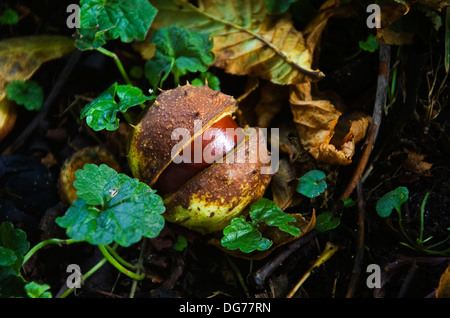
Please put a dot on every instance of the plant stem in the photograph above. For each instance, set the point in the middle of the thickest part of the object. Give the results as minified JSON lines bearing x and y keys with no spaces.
{"x":45,"y":243}
{"x":422,"y":212}
{"x":113,"y":252}
{"x":118,"y":63}
{"x":117,"y":265}
{"x":68,"y":291}
{"x":139,"y":266}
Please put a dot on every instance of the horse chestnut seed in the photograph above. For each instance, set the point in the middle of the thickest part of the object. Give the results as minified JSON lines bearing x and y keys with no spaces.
{"x":207,"y":169}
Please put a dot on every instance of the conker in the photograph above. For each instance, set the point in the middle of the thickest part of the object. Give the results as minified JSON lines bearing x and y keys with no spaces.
{"x":203,"y":195}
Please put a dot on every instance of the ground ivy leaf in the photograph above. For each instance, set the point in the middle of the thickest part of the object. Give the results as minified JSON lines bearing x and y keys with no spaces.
{"x":265,"y":210}
{"x":103,"y":20}
{"x":101,"y":112}
{"x":392,"y":200}
{"x":35,"y":290}
{"x":13,"y":246}
{"x":243,"y":235}
{"x":326,"y":221}
{"x":178,"y":51}
{"x":312,"y":183}
{"x":26,"y":93}
{"x":116,"y":208}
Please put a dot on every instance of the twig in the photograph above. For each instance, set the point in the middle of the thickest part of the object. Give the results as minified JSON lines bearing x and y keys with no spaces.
{"x":412,"y":271}
{"x":380,"y":99}
{"x":261,"y":274}
{"x":359,"y":254}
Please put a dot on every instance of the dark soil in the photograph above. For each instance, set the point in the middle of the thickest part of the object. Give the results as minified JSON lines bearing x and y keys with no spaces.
{"x":202,"y":270}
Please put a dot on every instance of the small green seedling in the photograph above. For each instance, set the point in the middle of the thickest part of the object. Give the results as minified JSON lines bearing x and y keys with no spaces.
{"x":26,"y":93}
{"x":9,"y":16}
{"x":245,"y":236}
{"x":13,"y":249}
{"x":101,"y":112}
{"x":370,"y":44}
{"x":180,"y":244}
{"x":326,"y":221}
{"x":177,"y":52}
{"x":312,"y":184}
{"x":394,"y":200}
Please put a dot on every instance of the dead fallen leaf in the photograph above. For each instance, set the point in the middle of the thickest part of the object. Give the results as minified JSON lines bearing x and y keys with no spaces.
{"x":8,"y":116}
{"x":247,"y":39}
{"x":443,"y":290}
{"x":270,"y":103}
{"x":21,"y":57}
{"x":415,"y":163}
{"x":283,"y":186}
{"x":326,"y":135}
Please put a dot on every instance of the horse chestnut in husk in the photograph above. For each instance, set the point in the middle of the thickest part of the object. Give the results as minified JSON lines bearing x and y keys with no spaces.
{"x":206,"y":194}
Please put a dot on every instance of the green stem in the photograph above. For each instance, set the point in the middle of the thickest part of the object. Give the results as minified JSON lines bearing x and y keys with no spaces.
{"x":118,"y":63}
{"x":238,"y":275}
{"x":45,"y":243}
{"x":68,"y":291}
{"x":139,"y":266}
{"x":422,"y":212}
{"x":117,"y":265}
{"x":112,"y":251}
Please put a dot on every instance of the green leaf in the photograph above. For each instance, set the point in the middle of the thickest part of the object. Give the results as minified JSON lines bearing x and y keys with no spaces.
{"x":326,"y":221}
{"x":26,"y":93}
{"x":35,"y":290}
{"x":279,"y":6}
{"x":348,"y":202}
{"x":112,"y":207}
{"x":178,"y":51}
{"x":180,"y":244}
{"x":101,"y":112}
{"x":392,"y":200}
{"x":312,"y":183}
{"x":370,"y":44}
{"x":13,"y":246}
{"x":212,"y":80}
{"x":244,"y":236}
{"x":103,"y":20}
{"x":265,"y":210}
{"x":9,"y":16}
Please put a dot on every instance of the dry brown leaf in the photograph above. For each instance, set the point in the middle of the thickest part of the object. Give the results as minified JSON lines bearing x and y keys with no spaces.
{"x":248,"y":40}
{"x":391,"y":37}
{"x":443,"y":290}
{"x":284,"y":184}
{"x":318,"y":128}
{"x":272,"y":98}
{"x":415,"y":163}
{"x":21,"y":57}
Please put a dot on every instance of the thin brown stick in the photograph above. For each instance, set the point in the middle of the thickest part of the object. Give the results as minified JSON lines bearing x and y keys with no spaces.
{"x":359,"y":254}
{"x":381,"y":93}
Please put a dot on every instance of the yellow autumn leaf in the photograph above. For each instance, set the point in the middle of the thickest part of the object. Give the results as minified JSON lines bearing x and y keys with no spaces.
{"x":21,"y":57}
{"x":248,"y":40}
{"x":443,"y":290}
{"x":8,"y":116}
